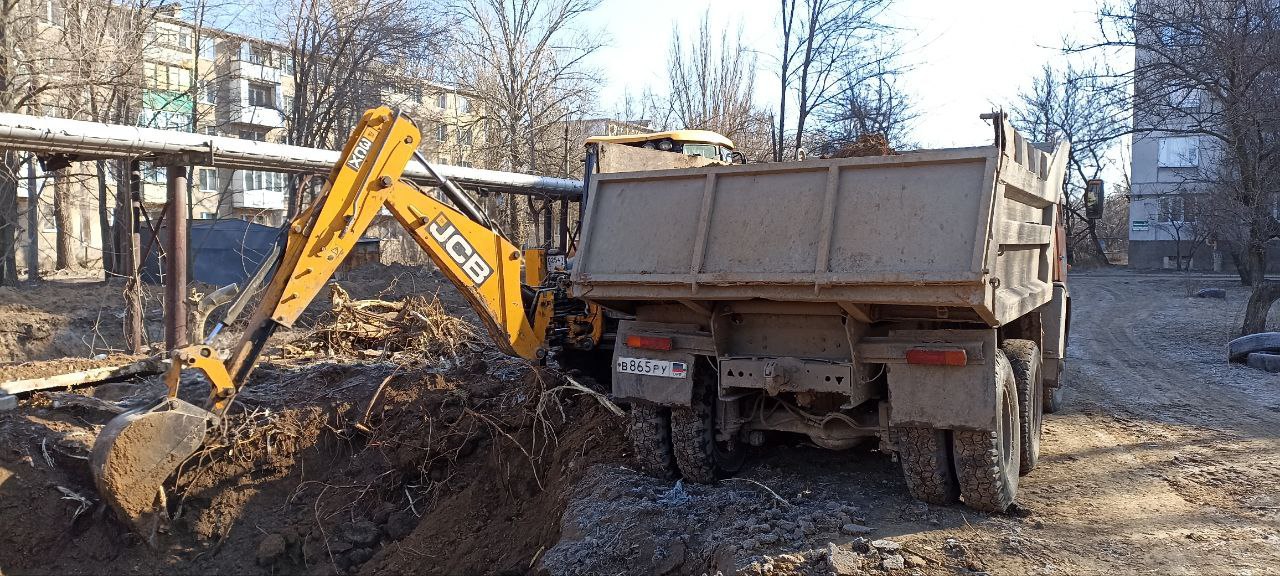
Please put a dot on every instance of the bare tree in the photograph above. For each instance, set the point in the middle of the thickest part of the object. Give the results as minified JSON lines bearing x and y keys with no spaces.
{"x":711,"y":86}
{"x":824,"y":44}
{"x":1073,"y":104}
{"x":1211,"y":69}
{"x":868,"y":103}
{"x":343,"y":53}
{"x":524,"y":61}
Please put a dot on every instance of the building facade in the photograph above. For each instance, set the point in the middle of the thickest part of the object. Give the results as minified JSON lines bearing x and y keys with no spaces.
{"x":197,"y":79}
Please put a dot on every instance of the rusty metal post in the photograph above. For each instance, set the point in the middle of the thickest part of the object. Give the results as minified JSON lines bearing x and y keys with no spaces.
{"x":175,"y":282}
{"x":130,"y":201}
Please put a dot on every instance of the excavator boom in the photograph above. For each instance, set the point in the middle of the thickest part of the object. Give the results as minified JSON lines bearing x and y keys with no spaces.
{"x":139,"y":450}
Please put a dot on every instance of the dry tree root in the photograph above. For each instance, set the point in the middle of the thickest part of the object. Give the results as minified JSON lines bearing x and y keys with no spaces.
{"x":378,"y":328}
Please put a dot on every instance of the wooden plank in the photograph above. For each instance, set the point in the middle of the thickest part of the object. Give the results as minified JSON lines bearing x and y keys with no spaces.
{"x":148,"y":366}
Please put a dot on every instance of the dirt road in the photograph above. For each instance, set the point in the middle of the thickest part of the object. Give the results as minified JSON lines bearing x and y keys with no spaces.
{"x":1164,"y":461}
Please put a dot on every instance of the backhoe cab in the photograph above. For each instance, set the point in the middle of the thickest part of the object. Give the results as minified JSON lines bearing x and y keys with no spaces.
{"x":139,"y":450}
{"x":704,"y":143}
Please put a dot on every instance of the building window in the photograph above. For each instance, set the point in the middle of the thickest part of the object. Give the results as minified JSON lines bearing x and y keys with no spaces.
{"x":208,"y":49}
{"x":255,"y":54}
{"x":208,"y":215}
{"x":1179,"y":152}
{"x":152,"y":173}
{"x":1177,"y":210}
{"x":208,"y":179}
{"x":255,"y":135}
{"x":165,"y":77}
{"x":261,"y":180}
{"x":442,"y":132}
{"x":184,"y":38}
{"x":210,"y":130}
{"x":442,"y":100}
{"x":464,"y":136}
{"x":262,"y":95}
{"x":462,"y":104}
{"x":208,"y":92}
{"x":1184,"y":98}
{"x":465,"y":163}
{"x":164,"y":119}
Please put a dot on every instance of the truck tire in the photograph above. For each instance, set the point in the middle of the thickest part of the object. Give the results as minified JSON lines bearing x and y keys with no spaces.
{"x":649,"y":431}
{"x":987,"y":460}
{"x":699,"y":457}
{"x":925,"y":454}
{"x":1024,"y":359}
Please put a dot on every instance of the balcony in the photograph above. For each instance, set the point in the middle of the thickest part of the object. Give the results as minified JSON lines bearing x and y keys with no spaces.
{"x":242,"y":68}
{"x":256,"y":116}
{"x":259,"y":199}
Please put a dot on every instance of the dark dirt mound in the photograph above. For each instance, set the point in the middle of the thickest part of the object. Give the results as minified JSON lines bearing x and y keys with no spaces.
{"x":459,"y":472}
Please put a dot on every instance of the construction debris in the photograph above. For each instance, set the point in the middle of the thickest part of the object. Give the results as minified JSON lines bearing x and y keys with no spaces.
{"x":153,"y":365}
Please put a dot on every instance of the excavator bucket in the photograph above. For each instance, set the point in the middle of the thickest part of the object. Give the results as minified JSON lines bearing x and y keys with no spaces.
{"x":137,"y":451}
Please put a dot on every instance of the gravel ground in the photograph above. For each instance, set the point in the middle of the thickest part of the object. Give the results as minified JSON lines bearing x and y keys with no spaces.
{"x":1164,"y":461}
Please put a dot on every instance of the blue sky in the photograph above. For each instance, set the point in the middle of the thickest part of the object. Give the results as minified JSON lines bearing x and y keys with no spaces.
{"x":967,"y":56}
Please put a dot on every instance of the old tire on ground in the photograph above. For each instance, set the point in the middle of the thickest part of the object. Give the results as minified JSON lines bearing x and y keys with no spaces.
{"x":649,"y":431}
{"x":925,"y":454}
{"x":1264,"y":361}
{"x":1024,"y":359}
{"x":987,"y":460}
{"x":1239,"y":349}
{"x":699,"y":457}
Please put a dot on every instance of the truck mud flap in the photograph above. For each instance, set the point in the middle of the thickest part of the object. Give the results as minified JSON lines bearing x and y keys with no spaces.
{"x":656,"y":362}
{"x":950,"y":397}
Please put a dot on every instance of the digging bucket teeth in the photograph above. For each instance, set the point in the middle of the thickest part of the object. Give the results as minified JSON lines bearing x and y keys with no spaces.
{"x":137,"y":451}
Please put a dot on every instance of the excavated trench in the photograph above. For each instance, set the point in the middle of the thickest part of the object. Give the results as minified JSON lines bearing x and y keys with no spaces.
{"x":459,"y":471}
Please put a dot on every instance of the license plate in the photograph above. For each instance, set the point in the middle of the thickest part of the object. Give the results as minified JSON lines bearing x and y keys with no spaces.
{"x":647,"y":367}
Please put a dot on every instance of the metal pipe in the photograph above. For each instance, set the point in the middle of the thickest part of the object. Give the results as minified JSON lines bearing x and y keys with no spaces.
{"x":175,"y":282}
{"x":91,"y":140}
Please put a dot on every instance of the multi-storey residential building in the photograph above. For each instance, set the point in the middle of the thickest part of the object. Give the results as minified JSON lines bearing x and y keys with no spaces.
{"x":197,"y":79}
{"x":1167,"y":187}
{"x":1174,"y":163}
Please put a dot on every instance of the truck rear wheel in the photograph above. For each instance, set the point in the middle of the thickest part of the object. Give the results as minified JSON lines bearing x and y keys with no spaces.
{"x":699,"y":456}
{"x":1024,"y":359}
{"x":649,"y":431}
{"x":987,"y":460}
{"x":926,"y":464}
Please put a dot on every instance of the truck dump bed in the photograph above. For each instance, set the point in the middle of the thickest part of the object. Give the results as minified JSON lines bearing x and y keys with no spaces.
{"x":963,"y":233}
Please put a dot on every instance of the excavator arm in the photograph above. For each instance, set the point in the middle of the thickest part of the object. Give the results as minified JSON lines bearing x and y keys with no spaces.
{"x":137,"y":451}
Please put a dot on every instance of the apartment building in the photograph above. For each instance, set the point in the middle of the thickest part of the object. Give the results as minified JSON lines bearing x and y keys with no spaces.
{"x":1166,"y":174}
{"x":1172,"y":166}
{"x":197,"y":79}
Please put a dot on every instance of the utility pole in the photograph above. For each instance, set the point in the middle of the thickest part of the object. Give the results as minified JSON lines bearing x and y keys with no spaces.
{"x":130,"y":201}
{"x":175,"y":285}
{"x":33,"y":222}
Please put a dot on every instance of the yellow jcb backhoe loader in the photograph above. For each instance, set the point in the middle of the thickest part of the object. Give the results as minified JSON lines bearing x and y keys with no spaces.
{"x":527,"y":317}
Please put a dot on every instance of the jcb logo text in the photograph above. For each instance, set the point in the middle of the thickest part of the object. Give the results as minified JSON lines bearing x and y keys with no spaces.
{"x":459,"y":250}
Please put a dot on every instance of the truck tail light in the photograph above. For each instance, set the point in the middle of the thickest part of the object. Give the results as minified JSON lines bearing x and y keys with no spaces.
{"x":649,"y":342}
{"x":937,"y":356}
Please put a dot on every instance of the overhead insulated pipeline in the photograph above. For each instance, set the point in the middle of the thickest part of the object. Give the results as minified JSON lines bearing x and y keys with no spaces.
{"x":78,"y":139}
